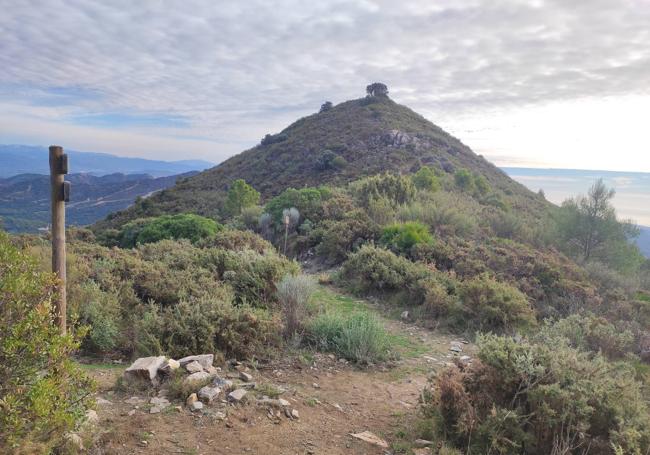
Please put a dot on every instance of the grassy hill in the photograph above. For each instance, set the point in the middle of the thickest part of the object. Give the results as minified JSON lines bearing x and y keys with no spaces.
{"x":356,"y":138}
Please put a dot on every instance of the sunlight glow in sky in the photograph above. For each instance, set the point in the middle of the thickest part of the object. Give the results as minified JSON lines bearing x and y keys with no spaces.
{"x":538,"y":83}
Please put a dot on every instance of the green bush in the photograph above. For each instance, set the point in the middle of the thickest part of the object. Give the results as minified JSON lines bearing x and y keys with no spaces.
{"x":396,"y":188}
{"x":207,"y":325}
{"x":377,"y":270}
{"x":100,"y":311}
{"x":308,"y":202}
{"x":464,"y":179}
{"x":42,"y":393}
{"x":181,"y":226}
{"x":358,"y":337}
{"x":538,"y":399}
{"x":591,"y":333}
{"x":234,"y":240}
{"x":426,"y":179}
{"x":240,"y":196}
{"x":402,"y":238}
{"x":338,"y":238}
{"x":490,"y":305}
{"x":251,"y":275}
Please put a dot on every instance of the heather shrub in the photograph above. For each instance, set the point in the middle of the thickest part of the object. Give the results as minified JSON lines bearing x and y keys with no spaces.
{"x":181,"y":226}
{"x":207,"y":325}
{"x":100,"y":311}
{"x":251,"y":275}
{"x":395,"y":188}
{"x":401,"y":238}
{"x":538,"y":398}
{"x":358,"y":337}
{"x":235,"y":240}
{"x":377,"y":270}
{"x":426,"y":179}
{"x":42,"y":392}
{"x":293,"y":295}
{"x":336,"y":239}
{"x":488,"y":304}
{"x":591,"y":333}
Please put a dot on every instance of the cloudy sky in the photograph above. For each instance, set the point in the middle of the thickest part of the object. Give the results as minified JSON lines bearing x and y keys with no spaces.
{"x":562,"y":83}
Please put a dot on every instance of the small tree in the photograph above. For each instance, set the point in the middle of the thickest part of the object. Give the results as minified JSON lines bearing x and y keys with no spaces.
{"x":588,"y":224}
{"x":426,"y":179}
{"x":377,"y":89}
{"x":240,"y":196}
{"x":326,"y":106}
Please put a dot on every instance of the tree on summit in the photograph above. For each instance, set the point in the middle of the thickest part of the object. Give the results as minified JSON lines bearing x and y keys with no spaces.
{"x":377,"y":89}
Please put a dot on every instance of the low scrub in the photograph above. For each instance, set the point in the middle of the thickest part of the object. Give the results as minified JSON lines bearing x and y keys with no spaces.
{"x":207,"y":325}
{"x":401,"y":238}
{"x":42,"y":392}
{"x":538,"y":399}
{"x":294,"y":293}
{"x":358,"y":337}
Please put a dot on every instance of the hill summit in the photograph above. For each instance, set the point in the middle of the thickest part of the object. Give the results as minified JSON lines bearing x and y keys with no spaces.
{"x":337,"y":145}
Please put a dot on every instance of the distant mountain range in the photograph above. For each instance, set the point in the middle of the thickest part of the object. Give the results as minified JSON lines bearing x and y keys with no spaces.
{"x":643,"y":241}
{"x":25,"y":198}
{"x":26,"y":159}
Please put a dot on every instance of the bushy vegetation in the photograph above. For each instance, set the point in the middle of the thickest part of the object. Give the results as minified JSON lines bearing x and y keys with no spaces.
{"x":42,"y":393}
{"x":150,"y":230}
{"x":538,"y":398}
{"x":402,"y":238}
{"x":358,"y":337}
{"x":293,"y":294}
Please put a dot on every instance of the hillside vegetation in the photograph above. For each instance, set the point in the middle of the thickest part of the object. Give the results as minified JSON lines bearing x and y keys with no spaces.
{"x":356,"y":138}
{"x":557,"y":298}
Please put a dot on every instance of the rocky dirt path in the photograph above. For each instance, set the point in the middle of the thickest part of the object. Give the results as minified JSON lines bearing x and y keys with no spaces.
{"x":333,"y":399}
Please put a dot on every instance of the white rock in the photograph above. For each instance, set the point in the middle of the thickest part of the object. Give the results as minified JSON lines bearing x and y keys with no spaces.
{"x":191,"y":399}
{"x":246,"y":377}
{"x":196,"y":378}
{"x":370,"y":438}
{"x":169,"y":366}
{"x":91,"y":417}
{"x":145,"y":368}
{"x":75,"y":440}
{"x":196,"y":406}
{"x":422,"y":443}
{"x":193,"y":367}
{"x":208,"y":394}
{"x":295,"y":414}
{"x":237,"y":395}
{"x":160,"y":402}
{"x":204,"y":359}
{"x":405,"y":315}
{"x":284,"y":403}
{"x":135,"y":400}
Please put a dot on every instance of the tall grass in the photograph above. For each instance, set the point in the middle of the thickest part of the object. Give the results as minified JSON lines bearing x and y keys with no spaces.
{"x":358,"y":337}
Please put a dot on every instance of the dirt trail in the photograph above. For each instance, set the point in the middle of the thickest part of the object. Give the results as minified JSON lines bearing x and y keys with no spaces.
{"x":334,"y":399}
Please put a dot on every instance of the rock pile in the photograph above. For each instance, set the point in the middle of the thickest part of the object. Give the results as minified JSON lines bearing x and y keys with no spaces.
{"x":205,"y":383}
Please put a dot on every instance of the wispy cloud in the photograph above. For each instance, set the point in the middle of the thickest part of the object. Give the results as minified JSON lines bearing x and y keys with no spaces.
{"x":227,"y":72}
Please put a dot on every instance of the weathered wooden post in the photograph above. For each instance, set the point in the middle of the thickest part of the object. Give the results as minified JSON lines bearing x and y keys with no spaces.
{"x":286,"y":232}
{"x":60,"y":195}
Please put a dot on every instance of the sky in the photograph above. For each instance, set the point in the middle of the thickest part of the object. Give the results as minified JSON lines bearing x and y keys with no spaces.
{"x":557,"y":83}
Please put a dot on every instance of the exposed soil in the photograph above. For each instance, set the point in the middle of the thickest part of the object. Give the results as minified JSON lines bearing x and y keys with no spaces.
{"x":333,"y":399}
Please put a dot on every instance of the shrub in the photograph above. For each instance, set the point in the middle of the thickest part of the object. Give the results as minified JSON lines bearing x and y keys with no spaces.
{"x":240,"y":196}
{"x":538,"y":399}
{"x":293,"y":294}
{"x":373,"y":269}
{"x":308,"y":202}
{"x":396,"y":188}
{"x":206,"y":325}
{"x":591,"y":333}
{"x":402,"y":238}
{"x":426,"y":179}
{"x":42,"y":392}
{"x":235,"y":240}
{"x":251,"y":275}
{"x":269,"y":139}
{"x":464,"y":179}
{"x":127,"y":237}
{"x":358,"y":337}
{"x":100,"y":311}
{"x":337,"y":238}
{"x":491,"y":305}
{"x":181,"y":226}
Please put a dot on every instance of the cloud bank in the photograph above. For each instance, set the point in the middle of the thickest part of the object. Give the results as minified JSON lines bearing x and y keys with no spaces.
{"x":208,"y":78}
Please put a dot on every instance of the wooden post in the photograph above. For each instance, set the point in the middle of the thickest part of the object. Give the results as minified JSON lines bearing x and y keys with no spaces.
{"x":58,"y":168}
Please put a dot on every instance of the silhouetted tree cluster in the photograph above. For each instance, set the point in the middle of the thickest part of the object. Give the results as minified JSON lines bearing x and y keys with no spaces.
{"x":377,"y":89}
{"x":326,"y":106}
